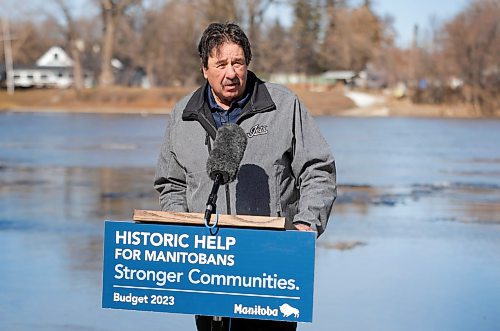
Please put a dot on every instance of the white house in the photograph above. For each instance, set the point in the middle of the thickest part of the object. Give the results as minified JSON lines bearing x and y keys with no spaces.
{"x":345,"y":76}
{"x":52,"y":69}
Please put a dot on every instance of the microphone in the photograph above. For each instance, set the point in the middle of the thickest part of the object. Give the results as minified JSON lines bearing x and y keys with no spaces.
{"x":224,"y":160}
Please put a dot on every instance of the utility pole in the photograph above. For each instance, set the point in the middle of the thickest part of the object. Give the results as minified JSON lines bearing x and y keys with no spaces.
{"x":9,"y":70}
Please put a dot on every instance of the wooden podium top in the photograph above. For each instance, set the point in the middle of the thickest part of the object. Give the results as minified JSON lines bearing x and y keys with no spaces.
{"x":241,"y":221}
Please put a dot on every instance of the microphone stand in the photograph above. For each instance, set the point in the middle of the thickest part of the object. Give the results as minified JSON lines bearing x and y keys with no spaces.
{"x":212,"y":198}
{"x":216,"y":323}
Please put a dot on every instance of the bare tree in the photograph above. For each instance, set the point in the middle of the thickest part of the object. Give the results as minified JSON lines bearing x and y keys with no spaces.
{"x":255,"y":11}
{"x":112,"y":11}
{"x":220,"y":10}
{"x":277,"y":48}
{"x":306,"y":29}
{"x":74,"y":42}
{"x":31,"y":40}
{"x":472,"y":42}
{"x":169,"y":38}
{"x":352,"y":36}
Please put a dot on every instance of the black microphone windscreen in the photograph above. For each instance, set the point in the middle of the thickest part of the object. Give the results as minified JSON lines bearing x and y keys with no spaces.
{"x":226,"y":155}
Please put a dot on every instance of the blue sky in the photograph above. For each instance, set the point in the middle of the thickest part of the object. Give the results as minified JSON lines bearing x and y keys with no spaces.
{"x":406,"y":13}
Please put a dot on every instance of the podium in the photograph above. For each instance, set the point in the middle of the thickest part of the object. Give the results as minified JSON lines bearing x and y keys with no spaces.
{"x":170,"y":262}
{"x":165,"y":217}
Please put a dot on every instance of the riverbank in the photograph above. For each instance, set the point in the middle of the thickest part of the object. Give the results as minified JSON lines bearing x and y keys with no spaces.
{"x":109,"y":100}
{"x":124,"y":100}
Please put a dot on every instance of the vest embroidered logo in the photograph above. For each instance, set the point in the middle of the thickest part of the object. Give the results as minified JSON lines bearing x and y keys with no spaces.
{"x":257,"y":130}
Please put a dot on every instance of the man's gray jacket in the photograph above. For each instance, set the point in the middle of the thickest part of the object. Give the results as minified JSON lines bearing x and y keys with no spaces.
{"x":287,"y":169}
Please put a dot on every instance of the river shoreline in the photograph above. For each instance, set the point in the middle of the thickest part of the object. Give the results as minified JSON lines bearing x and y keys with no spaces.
{"x":337,"y":102}
{"x":88,"y":110}
{"x":401,"y":109}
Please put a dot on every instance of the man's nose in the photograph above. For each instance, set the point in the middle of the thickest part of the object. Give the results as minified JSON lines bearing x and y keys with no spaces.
{"x":230,"y":72}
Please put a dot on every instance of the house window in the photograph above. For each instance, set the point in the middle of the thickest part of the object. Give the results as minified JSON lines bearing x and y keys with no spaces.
{"x":43,"y":76}
{"x":59,"y":74}
{"x":17,"y":76}
{"x":56,"y":56}
{"x":30,"y":76}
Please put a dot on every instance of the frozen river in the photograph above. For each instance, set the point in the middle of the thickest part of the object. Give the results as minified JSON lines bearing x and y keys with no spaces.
{"x":413,"y":243}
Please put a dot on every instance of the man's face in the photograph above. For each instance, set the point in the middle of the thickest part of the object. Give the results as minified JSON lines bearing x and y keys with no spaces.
{"x":226,"y":73}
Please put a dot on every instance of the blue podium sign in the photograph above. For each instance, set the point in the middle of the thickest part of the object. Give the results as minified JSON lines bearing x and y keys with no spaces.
{"x":241,"y":273}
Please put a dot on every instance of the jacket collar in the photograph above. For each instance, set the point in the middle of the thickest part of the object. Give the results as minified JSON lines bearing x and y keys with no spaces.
{"x":197,"y":108}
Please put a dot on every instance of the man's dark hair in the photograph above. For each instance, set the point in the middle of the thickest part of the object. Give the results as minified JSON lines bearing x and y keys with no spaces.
{"x":216,"y":34}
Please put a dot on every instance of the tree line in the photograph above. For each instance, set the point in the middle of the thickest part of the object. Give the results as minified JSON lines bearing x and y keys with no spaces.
{"x":455,"y":61}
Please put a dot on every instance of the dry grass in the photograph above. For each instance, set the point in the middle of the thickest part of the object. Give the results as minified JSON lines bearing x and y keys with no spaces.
{"x":407,"y":108}
{"x":113,"y":99}
{"x":157,"y":100}
{"x":161,"y":100}
{"x":323,"y":102}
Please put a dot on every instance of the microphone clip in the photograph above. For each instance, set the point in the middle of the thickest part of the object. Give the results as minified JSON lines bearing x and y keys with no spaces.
{"x":212,"y":205}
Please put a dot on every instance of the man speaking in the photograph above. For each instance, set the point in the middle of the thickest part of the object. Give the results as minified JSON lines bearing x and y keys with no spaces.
{"x":287,"y":169}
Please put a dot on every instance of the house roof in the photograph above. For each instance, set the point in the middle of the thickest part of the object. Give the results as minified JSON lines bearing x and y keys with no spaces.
{"x":55,"y":57}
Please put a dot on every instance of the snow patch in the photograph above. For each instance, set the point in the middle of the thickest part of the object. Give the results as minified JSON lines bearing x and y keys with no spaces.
{"x":364,"y":99}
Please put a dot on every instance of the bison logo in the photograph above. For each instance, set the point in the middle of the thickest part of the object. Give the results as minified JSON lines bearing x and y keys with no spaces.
{"x":288,"y":310}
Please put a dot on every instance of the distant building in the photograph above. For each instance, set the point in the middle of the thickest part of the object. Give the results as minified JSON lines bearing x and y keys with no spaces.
{"x":289,"y":78}
{"x":52,"y":69}
{"x":328,"y":78}
{"x":344,"y":76}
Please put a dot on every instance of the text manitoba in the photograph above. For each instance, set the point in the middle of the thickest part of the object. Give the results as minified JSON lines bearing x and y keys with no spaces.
{"x":255,"y":310}
{"x":197,"y":277}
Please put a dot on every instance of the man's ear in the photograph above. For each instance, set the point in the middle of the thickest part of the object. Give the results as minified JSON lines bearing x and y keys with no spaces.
{"x":204,"y":71}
